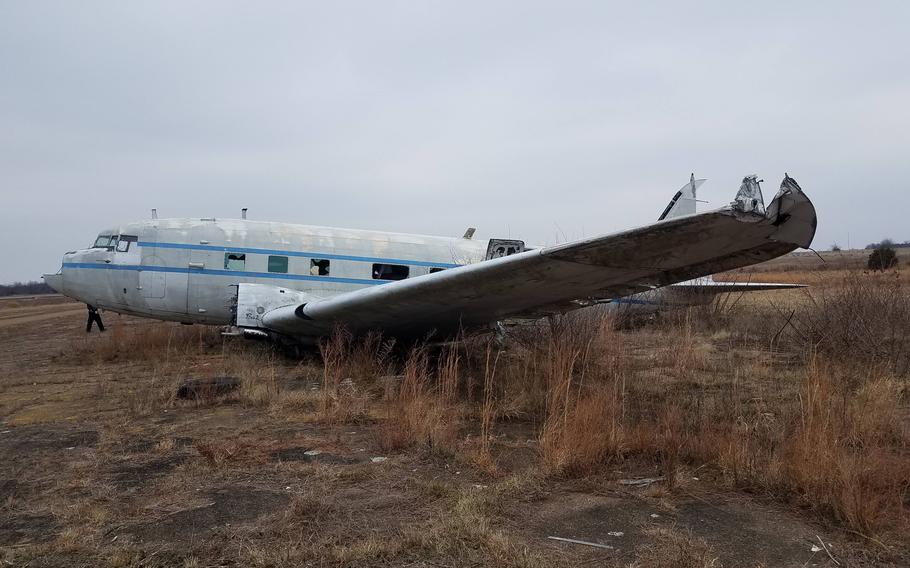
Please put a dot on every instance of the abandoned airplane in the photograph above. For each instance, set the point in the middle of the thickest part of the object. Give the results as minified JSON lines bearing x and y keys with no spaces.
{"x":298,"y":282}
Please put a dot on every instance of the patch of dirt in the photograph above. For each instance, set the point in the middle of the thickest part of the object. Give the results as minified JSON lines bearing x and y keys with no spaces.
{"x":133,"y":475}
{"x":299,"y":454}
{"x":592,"y":518}
{"x":229,"y":505}
{"x":8,"y":488}
{"x":43,"y":437}
{"x":748,"y":532}
{"x":22,"y":528}
{"x":38,"y":314}
{"x":740,"y":533}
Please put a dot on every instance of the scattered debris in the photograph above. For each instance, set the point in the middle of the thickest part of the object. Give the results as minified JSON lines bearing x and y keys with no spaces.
{"x":312,"y":452}
{"x":828,"y":552}
{"x":654,"y":515}
{"x":214,"y":386}
{"x":378,"y":459}
{"x":584,"y":542}
{"x":616,"y":533}
{"x":640,"y":481}
{"x":815,"y":549}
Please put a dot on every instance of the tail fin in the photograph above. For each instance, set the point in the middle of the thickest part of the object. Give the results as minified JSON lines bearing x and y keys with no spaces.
{"x":683,"y":203}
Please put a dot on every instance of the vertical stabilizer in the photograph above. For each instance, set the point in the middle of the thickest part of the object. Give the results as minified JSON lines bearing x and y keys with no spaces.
{"x":683,"y":203}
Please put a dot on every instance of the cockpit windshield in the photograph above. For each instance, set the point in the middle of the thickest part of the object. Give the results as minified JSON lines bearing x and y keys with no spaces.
{"x":105,"y":241}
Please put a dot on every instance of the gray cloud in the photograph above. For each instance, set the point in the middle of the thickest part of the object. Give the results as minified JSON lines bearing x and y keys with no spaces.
{"x":543,"y":121}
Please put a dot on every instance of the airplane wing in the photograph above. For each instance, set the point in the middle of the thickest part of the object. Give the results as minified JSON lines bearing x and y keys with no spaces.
{"x":562,"y":277}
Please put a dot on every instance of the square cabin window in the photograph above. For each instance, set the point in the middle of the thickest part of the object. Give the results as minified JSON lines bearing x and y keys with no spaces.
{"x":234,"y":261}
{"x":319,"y":267}
{"x":278,"y":264}
{"x":390,"y":271}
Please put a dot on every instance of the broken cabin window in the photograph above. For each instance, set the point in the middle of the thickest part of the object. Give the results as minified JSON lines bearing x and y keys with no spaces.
{"x":498,"y":248}
{"x":436,"y":269}
{"x":390,"y":271}
{"x":319,"y":267}
{"x":234,"y":261}
{"x":123,"y":245}
{"x":278,"y":264}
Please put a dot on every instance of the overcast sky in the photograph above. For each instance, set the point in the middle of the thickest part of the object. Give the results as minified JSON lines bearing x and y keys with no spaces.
{"x":543,"y":121}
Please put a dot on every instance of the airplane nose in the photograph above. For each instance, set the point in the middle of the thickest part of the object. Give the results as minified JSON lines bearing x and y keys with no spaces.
{"x":55,"y":281}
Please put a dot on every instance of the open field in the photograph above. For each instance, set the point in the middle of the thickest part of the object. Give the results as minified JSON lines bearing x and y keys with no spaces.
{"x":767,"y":430}
{"x":815,"y":267}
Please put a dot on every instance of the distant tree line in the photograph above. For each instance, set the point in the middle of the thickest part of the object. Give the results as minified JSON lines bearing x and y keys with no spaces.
{"x":888,"y":243}
{"x":25,"y":288}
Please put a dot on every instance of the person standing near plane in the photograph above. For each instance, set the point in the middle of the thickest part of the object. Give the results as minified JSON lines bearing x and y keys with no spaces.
{"x":93,"y":317}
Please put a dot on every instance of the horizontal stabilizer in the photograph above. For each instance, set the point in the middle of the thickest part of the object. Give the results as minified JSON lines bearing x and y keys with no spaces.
{"x":711,"y":287}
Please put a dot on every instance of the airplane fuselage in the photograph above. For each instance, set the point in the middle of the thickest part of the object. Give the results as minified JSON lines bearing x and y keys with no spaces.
{"x":187,"y":270}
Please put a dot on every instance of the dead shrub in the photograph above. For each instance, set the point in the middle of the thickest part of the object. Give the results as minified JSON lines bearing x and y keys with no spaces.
{"x":351,"y":367}
{"x":586,"y":374}
{"x":865,"y":321}
{"x":845,"y":456}
{"x":590,"y":436}
{"x":415,"y":413}
{"x":218,"y":453}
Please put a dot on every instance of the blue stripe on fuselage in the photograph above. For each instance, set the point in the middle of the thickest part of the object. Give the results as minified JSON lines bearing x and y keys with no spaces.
{"x":316,"y":255}
{"x":213,"y":272}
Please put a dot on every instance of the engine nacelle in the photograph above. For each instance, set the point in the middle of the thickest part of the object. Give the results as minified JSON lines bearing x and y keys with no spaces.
{"x":254,"y":301}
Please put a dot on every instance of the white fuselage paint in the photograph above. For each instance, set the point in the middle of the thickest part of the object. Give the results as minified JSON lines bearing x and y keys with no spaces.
{"x":177,"y":269}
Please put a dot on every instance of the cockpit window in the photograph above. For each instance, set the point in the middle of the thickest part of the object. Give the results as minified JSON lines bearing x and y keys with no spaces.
{"x":123,"y":245}
{"x":105,"y":241}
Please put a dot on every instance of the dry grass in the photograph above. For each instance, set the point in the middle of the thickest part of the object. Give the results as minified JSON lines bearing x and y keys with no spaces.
{"x":586,"y":379}
{"x":160,"y":342}
{"x":804,"y":404}
{"x":827,"y":429}
{"x":352,"y":367}
{"x":417,"y":410}
{"x":672,"y":548}
{"x":863,"y":322}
